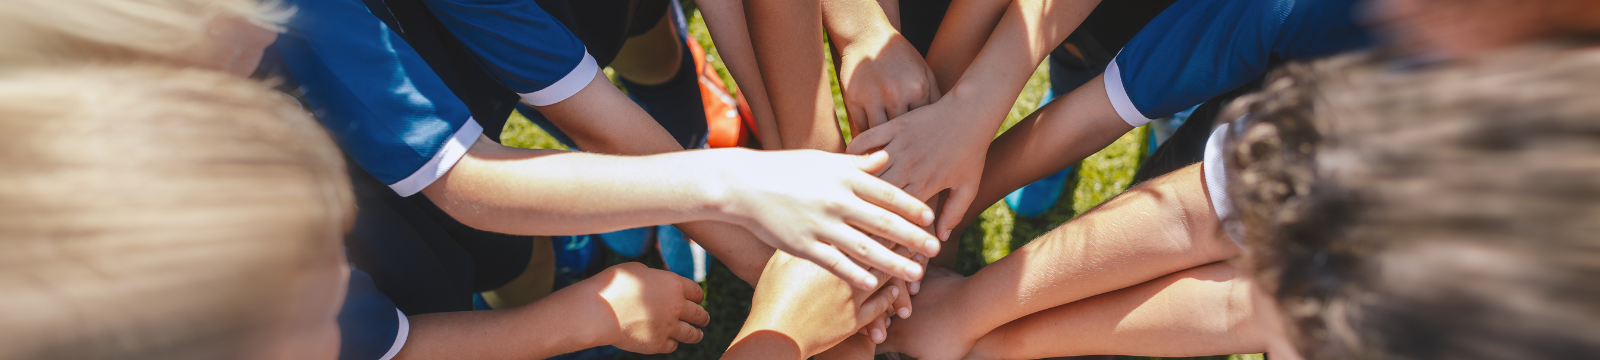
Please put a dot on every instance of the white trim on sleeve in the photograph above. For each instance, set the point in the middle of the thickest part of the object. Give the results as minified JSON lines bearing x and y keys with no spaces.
{"x":1216,"y":177}
{"x":1119,"y":96}
{"x":442,"y":161}
{"x":569,"y":85}
{"x":399,"y":337}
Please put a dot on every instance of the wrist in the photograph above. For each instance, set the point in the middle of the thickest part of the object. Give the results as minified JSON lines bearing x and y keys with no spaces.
{"x":576,"y":306}
{"x":872,"y":35}
{"x":717,"y":188}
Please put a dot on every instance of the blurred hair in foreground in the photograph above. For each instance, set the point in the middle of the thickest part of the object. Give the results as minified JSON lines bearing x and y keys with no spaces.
{"x":154,"y":213}
{"x":1442,"y":212}
{"x":195,"y":32}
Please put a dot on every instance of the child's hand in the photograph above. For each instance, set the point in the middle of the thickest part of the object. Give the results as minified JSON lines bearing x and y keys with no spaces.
{"x":882,"y":77}
{"x":643,"y":310}
{"x":938,"y":331}
{"x":807,"y":305}
{"x":814,"y":205}
{"x":932,"y":150}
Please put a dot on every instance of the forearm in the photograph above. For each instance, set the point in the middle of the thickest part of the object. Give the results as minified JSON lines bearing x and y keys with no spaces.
{"x":1157,"y":228}
{"x":966,"y":25}
{"x":533,"y":331}
{"x":1063,"y":132}
{"x":726,"y":22}
{"x":544,"y":192}
{"x":787,"y":39}
{"x":1024,"y":36}
{"x":732,"y":245}
{"x":1195,"y":312}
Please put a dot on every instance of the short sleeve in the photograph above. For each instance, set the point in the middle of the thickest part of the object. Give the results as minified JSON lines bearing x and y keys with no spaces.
{"x":1191,"y":52}
{"x":370,"y":327}
{"x":1215,"y":171}
{"x":375,"y":95}
{"x":523,"y":46}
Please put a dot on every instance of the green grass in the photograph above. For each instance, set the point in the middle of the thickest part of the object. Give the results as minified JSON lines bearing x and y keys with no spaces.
{"x":996,"y":234}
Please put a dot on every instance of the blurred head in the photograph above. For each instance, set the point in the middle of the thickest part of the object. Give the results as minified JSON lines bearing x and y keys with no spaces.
{"x":158,"y":213}
{"x":1443,"y":213}
{"x":1467,"y":27}
{"x":223,"y":35}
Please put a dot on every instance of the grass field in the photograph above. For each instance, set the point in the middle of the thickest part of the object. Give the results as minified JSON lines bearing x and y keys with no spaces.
{"x":997,"y":233}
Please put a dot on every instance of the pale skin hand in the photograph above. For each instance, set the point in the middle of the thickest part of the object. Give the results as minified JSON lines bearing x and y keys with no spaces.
{"x":629,"y":305}
{"x":880,"y":74}
{"x":1206,"y":310}
{"x":799,"y":310}
{"x":826,"y":196}
{"x":1162,"y":226}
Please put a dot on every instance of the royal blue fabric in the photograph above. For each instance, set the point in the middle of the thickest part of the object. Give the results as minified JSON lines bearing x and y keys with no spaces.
{"x":368,"y":322}
{"x":522,"y":45}
{"x":1199,"y":49}
{"x":383,"y":104}
{"x":371,"y":90}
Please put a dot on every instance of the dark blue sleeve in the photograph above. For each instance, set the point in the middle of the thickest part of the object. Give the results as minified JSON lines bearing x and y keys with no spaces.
{"x":1198,"y":49}
{"x":370,"y":327}
{"x":523,"y":46}
{"x":374,"y":94}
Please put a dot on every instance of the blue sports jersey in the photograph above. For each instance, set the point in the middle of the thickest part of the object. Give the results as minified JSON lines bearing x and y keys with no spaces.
{"x":1199,"y":49}
{"x":389,"y":110}
{"x":370,"y":327}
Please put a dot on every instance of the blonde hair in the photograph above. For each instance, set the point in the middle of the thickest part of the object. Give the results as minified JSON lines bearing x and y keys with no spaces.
{"x":50,"y":31}
{"x":155,"y":213}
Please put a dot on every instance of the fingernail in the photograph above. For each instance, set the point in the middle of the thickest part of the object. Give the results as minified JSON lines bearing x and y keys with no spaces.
{"x":916,"y":287}
{"x":869,"y":281}
{"x":905,"y":313}
{"x":919,"y":258}
{"x":888,"y":322}
{"x":927,"y":216}
{"x":931,"y":246}
{"x":894,"y":291}
{"x":944,"y":235}
{"x":877,"y":336}
{"x":914,"y":271}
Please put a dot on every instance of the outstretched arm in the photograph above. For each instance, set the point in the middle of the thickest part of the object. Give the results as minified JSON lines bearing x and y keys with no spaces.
{"x":1154,"y":229}
{"x":1196,"y":312}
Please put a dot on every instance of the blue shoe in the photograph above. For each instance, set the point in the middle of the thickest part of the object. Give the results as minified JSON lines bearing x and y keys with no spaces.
{"x":1040,"y":196}
{"x":628,"y":243}
{"x":681,"y":255}
{"x":577,"y":258}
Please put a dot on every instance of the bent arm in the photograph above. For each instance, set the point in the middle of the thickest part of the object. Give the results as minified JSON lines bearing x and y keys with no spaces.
{"x":787,"y":39}
{"x":1196,"y":312}
{"x":1157,"y":228}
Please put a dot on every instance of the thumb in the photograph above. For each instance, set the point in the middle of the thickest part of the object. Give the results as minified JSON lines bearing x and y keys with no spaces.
{"x":874,"y":138}
{"x":872,"y":163}
{"x":875,"y":306}
{"x":955,"y":208}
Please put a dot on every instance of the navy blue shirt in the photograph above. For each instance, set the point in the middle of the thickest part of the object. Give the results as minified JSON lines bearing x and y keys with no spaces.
{"x":1199,"y":49}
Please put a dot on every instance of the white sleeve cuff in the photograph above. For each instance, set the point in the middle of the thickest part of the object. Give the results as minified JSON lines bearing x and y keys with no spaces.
{"x":399,"y":336}
{"x":1119,"y":96}
{"x":569,"y":85}
{"x":1215,"y":169}
{"x":442,"y":161}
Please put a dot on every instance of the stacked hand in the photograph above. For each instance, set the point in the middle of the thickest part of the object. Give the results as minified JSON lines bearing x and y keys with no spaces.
{"x":640,"y":309}
{"x":798,"y":305}
{"x":937,"y":332}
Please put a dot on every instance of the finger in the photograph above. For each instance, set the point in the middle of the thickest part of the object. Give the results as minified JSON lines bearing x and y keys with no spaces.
{"x":915,"y":287}
{"x":876,"y":115}
{"x":874,"y":306}
{"x":871,"y":163}
{"x":858,"y":120}
{"x":829,"y":257}
{"x":892,"y":227}
{"x":902,"y":300}
{"x":933,"y":87}
{"x":898,"y":110}
{"x":955,"y":207}
{"x":691,"y":290}
{"x":878,"y":329}
{"x":685,"y":333}
{"x":879,"y":192}
{"x":869,"y":252}
{"x":875,"y":137}
{"x":693,"y":313}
